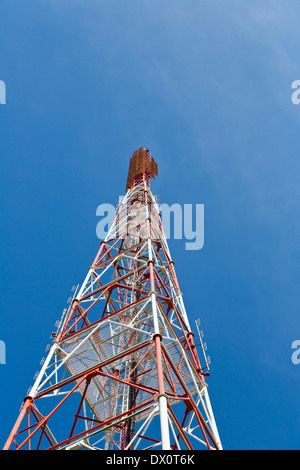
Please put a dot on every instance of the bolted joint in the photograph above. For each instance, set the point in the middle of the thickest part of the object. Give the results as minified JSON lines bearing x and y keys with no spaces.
{"x":162,"y":395}
{"x":153,"y":292}
{"x":157,"y":335}
{"x":28,"y":397}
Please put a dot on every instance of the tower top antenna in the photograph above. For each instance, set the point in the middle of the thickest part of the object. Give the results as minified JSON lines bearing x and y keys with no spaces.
{"x":142,"y":166}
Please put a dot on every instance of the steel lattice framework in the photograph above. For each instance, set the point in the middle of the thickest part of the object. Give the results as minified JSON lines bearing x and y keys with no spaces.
{"x":123,"y":370}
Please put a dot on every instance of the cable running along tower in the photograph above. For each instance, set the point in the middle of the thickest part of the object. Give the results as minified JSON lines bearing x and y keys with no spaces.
{"x":123,"y":370}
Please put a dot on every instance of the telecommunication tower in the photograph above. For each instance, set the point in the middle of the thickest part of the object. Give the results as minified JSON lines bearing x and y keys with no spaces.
{"x":123,"y":371}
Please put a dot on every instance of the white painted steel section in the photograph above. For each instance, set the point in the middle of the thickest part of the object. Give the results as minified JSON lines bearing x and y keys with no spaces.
{"x":212,"y":420}
{"x":36,"y":384}
{"x":164,"y":425}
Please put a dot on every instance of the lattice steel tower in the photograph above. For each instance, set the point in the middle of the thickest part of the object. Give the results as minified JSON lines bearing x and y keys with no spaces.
{"x":123,"y":370}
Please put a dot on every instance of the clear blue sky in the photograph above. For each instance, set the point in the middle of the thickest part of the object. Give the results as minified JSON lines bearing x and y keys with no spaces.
{"x":206,"y":86}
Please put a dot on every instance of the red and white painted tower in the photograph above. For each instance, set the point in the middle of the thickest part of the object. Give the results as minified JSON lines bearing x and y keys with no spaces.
{"x":123,"y":370}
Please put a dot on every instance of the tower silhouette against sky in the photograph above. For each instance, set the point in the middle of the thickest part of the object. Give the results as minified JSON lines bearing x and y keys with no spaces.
{"x":123,"y":372}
